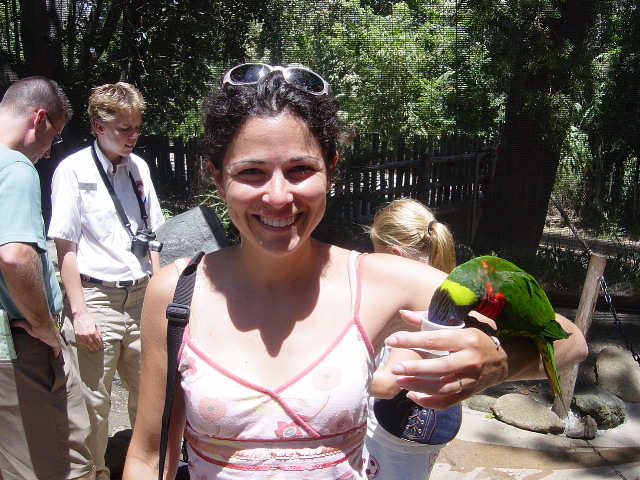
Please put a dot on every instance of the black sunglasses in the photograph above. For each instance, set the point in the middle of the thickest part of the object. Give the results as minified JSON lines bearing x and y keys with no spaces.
{"x":57,"y":138}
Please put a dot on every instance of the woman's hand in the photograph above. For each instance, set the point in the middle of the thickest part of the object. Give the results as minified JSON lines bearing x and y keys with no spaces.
{"x":474,"y":363}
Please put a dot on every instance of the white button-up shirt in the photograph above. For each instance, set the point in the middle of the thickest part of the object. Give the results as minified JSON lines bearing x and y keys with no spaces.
{"x":83,"y":212}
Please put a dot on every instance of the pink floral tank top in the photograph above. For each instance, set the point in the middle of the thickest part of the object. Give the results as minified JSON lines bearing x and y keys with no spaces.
{"x":312,"y":427}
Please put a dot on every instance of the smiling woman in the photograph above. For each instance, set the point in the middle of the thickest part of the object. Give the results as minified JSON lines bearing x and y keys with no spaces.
{"x":274,"y":180}
{"x":283,"y":329}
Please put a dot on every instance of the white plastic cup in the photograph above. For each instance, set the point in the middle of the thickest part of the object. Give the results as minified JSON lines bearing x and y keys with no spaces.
{"x":430,"y":326}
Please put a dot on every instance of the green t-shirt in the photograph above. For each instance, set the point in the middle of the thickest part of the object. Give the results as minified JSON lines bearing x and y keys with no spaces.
{"x":22,"y":222}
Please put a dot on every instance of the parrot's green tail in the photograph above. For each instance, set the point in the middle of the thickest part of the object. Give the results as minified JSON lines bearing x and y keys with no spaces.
{"x":549,"y":362}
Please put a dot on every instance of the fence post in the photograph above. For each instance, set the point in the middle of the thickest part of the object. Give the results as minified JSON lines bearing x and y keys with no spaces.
{"x":584,"y":317}
{"x":414,"y":172}
{"x":347,"y":180}
{"x":164,"y":161}
{"x":474,"y":198}
{"x":179,"y":156}
{"x":424,"y":173}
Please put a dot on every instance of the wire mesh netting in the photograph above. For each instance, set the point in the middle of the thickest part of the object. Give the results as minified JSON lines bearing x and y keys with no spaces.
{"x":481,"y":110}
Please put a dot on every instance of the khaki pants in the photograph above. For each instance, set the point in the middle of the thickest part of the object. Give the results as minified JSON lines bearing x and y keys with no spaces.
{"x":43,"y":417}
{"x":117,"y":312}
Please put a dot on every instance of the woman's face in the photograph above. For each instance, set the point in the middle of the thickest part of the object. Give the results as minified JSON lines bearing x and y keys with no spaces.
{"x":274,"y":179}
{"x":118,"y":137}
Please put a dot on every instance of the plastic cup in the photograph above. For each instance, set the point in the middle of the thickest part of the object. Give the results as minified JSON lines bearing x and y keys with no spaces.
{"x":430,"y":326}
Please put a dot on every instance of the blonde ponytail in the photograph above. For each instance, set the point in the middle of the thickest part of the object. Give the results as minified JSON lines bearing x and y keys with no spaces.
{"x":412,"y":228}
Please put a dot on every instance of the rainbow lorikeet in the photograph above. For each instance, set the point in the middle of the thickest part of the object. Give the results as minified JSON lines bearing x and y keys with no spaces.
{"x":507,"y":294}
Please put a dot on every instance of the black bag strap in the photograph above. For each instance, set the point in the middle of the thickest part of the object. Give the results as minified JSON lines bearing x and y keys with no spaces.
{"x":116,"y":201}
{"x":178,"y":316}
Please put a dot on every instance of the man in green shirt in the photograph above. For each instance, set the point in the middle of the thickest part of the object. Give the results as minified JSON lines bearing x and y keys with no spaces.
{"x":42,"y":412}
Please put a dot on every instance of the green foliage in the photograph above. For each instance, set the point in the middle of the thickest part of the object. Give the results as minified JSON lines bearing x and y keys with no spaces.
{"x":397,"y":67}
{"x":177,"y":46}
{"x":392,"y":66}
{"x":166,"y":49}
{"x":623,"y":270}
{"x":166,"y":213}
{"x":569,"y":187}
{"x":476,"y":99}
{"x":560,"y":268}
{"x":609,"y":114}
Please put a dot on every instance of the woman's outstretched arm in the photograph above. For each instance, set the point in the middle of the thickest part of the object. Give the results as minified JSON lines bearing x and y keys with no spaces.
{"x":475,"y":362}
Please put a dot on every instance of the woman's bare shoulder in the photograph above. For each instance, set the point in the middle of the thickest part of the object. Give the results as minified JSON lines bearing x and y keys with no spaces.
{"x":160,"y":293}
{"x":411,"y":282}
{"x":400,"y":269}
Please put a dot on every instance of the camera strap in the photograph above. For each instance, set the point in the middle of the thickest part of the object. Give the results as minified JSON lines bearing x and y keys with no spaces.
{"x":114,"y":197}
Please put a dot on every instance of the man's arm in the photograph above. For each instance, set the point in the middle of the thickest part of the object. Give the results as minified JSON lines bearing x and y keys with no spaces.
{"x":155,"y":262}
{"x":22,"y":270}
{"x":87,"y":331}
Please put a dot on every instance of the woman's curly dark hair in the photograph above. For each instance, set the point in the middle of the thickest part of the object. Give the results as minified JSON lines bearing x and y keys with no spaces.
{"x":228,"y":108}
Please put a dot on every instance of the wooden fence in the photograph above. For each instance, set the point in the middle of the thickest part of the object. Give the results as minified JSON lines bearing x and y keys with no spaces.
{"x":176,"y":164}
{"x":448,"y":173}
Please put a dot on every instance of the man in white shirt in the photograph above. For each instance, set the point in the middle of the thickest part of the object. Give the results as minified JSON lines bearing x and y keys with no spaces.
{"x":103,"y":276}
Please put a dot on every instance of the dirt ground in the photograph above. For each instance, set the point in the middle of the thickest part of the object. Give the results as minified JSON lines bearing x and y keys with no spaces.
{"x":119,"y":417}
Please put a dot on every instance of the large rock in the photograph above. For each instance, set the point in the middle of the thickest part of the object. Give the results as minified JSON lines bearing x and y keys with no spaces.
{"x":524,"y":411}
{"x":586,"y":429}
{"x":618,"y":373}
{"x":480,"y":403}
{"x":606,"y":409}
{"x":197,"y":229}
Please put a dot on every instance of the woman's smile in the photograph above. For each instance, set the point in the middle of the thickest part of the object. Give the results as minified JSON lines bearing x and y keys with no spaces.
{"x":278,"y":222}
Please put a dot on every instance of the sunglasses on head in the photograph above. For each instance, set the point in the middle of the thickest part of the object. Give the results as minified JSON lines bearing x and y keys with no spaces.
{"x":300,"y":77}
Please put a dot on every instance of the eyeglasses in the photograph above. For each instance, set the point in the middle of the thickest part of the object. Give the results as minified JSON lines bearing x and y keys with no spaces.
{"x":300,"y":77}
{"x":57,"y":138}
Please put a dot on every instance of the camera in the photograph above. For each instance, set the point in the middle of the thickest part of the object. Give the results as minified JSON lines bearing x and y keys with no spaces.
{"x":143,"y":241}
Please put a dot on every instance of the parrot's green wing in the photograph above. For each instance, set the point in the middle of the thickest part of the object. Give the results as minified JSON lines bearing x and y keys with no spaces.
{"x":514,"y":299}
{"x":516,"y":302}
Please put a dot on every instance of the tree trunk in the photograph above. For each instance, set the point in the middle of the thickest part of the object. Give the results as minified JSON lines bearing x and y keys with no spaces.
{"x":516,"y":204}
{"x":594,"y":187}
{"x":36,"y":44}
